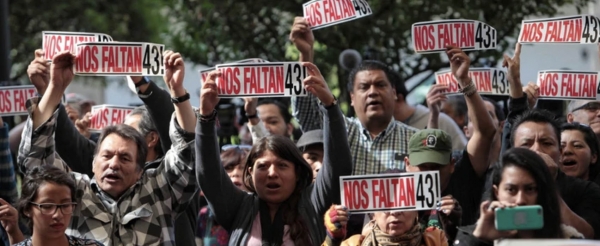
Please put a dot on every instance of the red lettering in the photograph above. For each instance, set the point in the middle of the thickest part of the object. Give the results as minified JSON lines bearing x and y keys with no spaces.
{"x":19,"y":98}
{"x":383,"y":195}
{"x":349,"y":197}
{"x":424,"y":40}
{"x":105,"y":64}
{"x":410,"y":191}
{"x":549,"y":84}
{"x":348,"y":8}
{"x":314,"y":14}
{"x":375,"y":192}
{"x":365,"y":196}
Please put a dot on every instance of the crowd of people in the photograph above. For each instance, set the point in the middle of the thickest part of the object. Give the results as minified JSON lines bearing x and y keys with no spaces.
{"x":163,"y":178}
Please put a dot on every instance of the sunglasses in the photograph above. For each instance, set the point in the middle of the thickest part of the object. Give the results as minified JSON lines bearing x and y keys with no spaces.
{"x":590,"y":107}
{"x":239,"y":146}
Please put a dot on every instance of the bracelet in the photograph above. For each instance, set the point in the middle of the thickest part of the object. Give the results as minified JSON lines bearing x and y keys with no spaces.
{"x":144,"y":81}
{"x":251,"y":116}
{"x":469,"y":89}
{"x":181,"y":99}
{"x":210,"y":117}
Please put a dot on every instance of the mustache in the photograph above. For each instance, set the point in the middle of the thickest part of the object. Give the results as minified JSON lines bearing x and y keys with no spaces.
{"x":113,"y":173}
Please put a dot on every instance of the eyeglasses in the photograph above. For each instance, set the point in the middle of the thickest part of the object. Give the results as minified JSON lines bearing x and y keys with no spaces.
{"x":50,"y":208}
{"x":590,"y":107}
{"x":231,"y":146}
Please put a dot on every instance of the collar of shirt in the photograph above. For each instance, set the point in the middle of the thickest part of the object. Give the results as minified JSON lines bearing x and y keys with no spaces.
{"x":388,"y":129}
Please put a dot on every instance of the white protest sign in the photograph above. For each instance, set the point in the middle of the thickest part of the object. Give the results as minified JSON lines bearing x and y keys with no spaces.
{"x":390,"y":192}
{"x":566,"y":84}
{"x":271,"y":79}
{"x":120,"y":58}
{"x":55,"y":42}
{"x":434,"y":36}
{"x":488,"y":81}
{"x":324,"y":13}
{"x":204,"y":72}
{"x":13,"y":99}
{"x":579,"y":29}
{"x":108,"y":115}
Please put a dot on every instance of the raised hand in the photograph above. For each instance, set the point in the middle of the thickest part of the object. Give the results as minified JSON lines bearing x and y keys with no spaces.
{"x":435,"y":97}
{"x":72,"y":113}
{"x":61,"y":69}
{"x":459,"y":64}
{"x":315,"y":84}
{"x":9,"y":217}
{"x":533,"y":93}
{"x":486,"y":228}
{"x":174,"y":73}
{"x":336,"y":219}
{"x":39,"y":72}
{"x":83,"y":125}
{"x":302,"y":36}
{"x":209,"y":94}
{"x":514,"y":72}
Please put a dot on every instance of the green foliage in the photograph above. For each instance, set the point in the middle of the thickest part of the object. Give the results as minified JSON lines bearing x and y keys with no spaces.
{"x":216,"y":31}
{"x":139,"y":21}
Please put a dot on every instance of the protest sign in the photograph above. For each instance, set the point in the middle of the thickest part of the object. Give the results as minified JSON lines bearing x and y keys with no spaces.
{"x":578,"y":29}
{"x":204,"y":72}
{"x":324,"y":13}
{"x":13,"y":99}
{"x":566,"y":84}
{"x":272,"y":79}
{"x":120,"y":58}
{"x":434,"y":36}
{"x":488,"y":81}
{"x":545,"y":242}
{"x":55,"y":42}
{"x":390,"y":192}
{"x":108,"y":115}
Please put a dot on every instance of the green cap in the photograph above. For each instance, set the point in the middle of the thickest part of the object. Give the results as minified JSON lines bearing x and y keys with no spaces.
{"x":430,"y":146}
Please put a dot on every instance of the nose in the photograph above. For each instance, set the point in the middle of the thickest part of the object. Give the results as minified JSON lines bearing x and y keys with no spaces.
{"x":536,"y":147}
{"x":521,"y":199}
{"x":272,"y":171}
{"x":372,"y":91}
{"x":237,"y":172}
{"x":395,"y":213}
{"x":567,"y":150}
{"x":114,"y":163}
{"x":58,"y":214}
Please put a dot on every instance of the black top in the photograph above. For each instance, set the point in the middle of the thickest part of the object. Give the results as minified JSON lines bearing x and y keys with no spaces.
{"x":466,"y":187}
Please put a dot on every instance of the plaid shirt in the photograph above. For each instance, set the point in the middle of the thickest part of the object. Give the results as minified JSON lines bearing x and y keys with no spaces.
{"x":8,"y":181}
{"x":370,"y":155}
{"x":144,"y":214}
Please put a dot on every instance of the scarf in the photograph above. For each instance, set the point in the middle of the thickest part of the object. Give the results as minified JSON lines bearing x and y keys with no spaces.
{"x":379,"y":238}
{"x":272,"y":231}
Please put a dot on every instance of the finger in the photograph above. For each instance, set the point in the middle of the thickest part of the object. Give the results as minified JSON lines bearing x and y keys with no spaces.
{"x":63,"y":56}
{"x":506,"y":60}
{"x":174,"y":57}
{"x":312,"y":69}
{"x":3,"y":202}
{"x":178,"y":62}
{"x":39,"y":53}
{"x":517,"y":50}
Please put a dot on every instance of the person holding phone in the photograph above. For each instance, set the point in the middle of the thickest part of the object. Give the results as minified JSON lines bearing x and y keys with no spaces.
{"x":521,"y":179}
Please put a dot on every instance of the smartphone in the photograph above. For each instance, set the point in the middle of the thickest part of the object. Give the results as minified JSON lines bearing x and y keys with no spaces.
{"x":519,"y":218}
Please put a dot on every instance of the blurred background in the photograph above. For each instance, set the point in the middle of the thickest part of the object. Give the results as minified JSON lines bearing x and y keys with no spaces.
{"x":210,"y":32}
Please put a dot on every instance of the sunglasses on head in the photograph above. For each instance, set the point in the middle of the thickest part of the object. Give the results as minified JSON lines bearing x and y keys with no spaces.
{"x":239,"y":146}
{"x":591,"y":106}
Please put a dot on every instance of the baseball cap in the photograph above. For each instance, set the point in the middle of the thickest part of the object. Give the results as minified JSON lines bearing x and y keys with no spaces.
{"x":309,"y":138}
{"x":430,"y":146}
{"x":77,"y":98}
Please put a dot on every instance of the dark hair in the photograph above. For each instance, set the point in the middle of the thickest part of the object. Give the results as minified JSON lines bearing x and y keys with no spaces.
{"x":588,"y":135}
{"x":546,"y":188}
{"x":233,"y":157}
{"x":537,"y":116}
{"x":34,"y":178}
{"x":497,"y":109}
{"x":146,"y":126}
{"x":284,"y":148}
{"x":128,"y":133}
{"x":370,"y":65}
{"x":285,"y":113}
{"x":396,"y":79}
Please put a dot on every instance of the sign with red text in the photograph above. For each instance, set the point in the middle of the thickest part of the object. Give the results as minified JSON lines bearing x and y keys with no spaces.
{"x":272,"y":79}
{"x":579,"y":29}
{"x":324,"y":13}
{"x":390,"y":192}
{"x":434,"y":36}
{"x":566,"y":84}
{"x":108,"y":115}
{"x":55,"y":42}
{"x":204,"y":72}
{"x":120,"y":58}
{"x":13,"y":99}
{"x":488,"y":81}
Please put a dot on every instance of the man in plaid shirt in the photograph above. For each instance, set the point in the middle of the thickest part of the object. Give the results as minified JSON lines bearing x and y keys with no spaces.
{"x":123,"y":204}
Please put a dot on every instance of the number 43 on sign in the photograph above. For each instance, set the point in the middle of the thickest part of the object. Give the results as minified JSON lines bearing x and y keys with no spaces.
{"x":119,"y":58}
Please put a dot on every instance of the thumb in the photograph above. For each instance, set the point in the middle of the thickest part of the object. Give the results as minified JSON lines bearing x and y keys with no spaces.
{"x":507,"y":60}
{"x":3,"y":202}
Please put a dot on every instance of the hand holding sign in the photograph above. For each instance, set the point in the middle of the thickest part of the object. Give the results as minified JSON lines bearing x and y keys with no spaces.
{"x":62,"y":70}
{"x":315,"y":84}
{"x":459,"y":64}
{"x":435,"y":97}
{"x":9,"y":217}
{"x":174,"y":73}
{"x":533,"y":93}
{"x":83,"y":125}
{"x":39,"y":72}
{"x":514,"y":72}
{"x":486,"y":228}
{"x":302,"y":37}
{"x":209,"y":94}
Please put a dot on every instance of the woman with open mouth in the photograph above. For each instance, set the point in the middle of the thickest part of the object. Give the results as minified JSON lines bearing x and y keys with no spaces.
{"x":580,"y":152}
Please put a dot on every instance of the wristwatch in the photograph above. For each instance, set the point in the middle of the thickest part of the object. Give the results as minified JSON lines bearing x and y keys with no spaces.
{"x":181,"y":98}
{"x":145,"y":80}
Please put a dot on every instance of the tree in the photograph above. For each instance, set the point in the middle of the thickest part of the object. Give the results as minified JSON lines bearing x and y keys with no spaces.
{"x":216,"y":31}
{"x":138,"y":21}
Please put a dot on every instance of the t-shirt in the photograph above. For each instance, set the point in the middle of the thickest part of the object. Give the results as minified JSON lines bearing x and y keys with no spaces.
{"x":466,"y":187}
{"x":256,"y":234}
{"x":73,"y":241}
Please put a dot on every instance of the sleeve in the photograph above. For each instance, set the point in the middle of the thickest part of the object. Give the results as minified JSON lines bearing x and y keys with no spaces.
{"x":337,"y":160}
{"x":459,"y":141}
{"x":258,"y":131}
{"x":8,"y":180}
{"x":68,"y":139}
{"x":222,"y":196}
{"x":37,"y":146}
{"x":159,"y":105}
{"x":516,"y":106}
{"x":306,"y":111}
{"x":587,"y":206}
{"x":177,"y":167}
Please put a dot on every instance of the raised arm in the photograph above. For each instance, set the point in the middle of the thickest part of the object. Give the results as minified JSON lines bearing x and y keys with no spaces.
{"x":305,"y":109}
{"x":478,"y":147}
{"x":222,"y":196}
{"x":337,"y":160}
{"x":255,"y":126}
